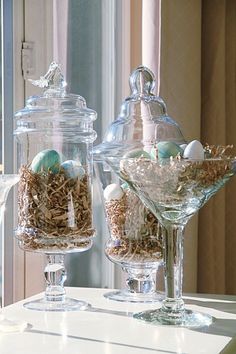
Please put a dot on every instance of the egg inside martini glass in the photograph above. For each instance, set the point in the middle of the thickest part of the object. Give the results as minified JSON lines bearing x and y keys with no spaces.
{"x":174,"y":188}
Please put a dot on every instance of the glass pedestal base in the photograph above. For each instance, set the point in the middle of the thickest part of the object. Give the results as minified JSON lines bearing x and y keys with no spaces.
{"x":68,"y":304}
{"x":128,"y":296}
{"x":187,"y":318}
{"x":55,"y":298}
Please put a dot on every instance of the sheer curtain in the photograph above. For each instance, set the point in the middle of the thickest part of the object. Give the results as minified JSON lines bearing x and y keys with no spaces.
{"x":78,"y":47}
{"x":151,"y":37}
{"x":91,"y":43}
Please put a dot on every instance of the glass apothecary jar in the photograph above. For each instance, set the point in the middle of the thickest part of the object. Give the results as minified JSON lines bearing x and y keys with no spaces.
{"x":54,"y":137}
{"x":135,"y":239}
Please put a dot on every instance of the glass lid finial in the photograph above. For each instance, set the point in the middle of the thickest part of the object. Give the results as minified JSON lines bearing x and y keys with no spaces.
{"x":142,"y":81}
{"x":52,"y":80}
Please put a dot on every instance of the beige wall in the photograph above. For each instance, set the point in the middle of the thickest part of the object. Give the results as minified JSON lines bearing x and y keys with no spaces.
{"x":135,"y":33}
{"x":180,"y":87}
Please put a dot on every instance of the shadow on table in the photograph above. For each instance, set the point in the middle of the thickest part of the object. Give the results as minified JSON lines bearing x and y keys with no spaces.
{"x":110,"y":312}
{"x":229,"y":307}
{"x":99,"y":341}
{"x":221,"y":327}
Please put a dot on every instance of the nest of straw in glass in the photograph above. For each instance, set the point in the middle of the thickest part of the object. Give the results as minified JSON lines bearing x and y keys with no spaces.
{"x":134,"y":229}
{"x":54,"y":211}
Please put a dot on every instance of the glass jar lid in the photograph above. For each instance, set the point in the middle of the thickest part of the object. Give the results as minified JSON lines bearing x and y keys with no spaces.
{"x":142,"y":121}
{"x":55,"y":106}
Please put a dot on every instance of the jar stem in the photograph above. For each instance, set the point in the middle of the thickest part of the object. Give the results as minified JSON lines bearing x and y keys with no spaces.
{"x":142,"y":284}
{"x":55,"y":275}
{"x":55,"y":298}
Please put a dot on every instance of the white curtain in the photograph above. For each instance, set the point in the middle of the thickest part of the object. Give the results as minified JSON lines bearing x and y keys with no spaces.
{"x":60,"y":32}
{"x":151,"y":37}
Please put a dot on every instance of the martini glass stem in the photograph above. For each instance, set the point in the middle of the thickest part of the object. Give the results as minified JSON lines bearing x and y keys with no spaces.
{"x":172,"y":311}
{"x":173,"y":305}
{"x":55,"y":275}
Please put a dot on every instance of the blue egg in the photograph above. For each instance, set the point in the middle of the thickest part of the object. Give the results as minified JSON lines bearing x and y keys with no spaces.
{"x":73,"y":169}
{"x":125,"y":186}
{"x":45,"y":161}
{"x":166,"y":149}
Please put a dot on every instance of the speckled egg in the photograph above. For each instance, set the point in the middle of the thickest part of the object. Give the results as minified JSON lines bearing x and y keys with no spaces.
{"x":136,"y":153}
{"x":73,"y":169}
{"x":194,"y":150}
{"x":166,"y":149}
{"x":45,"y":161}
{"x":113,"y":192}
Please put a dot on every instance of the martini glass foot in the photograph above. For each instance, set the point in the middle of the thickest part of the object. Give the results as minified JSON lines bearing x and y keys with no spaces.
{"x":187,"y":318}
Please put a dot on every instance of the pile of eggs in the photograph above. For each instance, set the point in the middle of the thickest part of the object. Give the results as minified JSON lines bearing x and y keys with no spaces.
{"x":50,"y":161}
{"x":166,"y":149}
{"x":194,"y":150}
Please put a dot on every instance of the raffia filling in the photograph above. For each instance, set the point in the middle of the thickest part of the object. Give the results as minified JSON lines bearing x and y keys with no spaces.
{"x":53,"y":211}
{"x":134,"y":229}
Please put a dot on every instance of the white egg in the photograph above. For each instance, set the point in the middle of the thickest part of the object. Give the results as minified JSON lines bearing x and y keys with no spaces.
{"x":73,"y":169}
{"x":194,"y":150}
{"x":113,"y":192}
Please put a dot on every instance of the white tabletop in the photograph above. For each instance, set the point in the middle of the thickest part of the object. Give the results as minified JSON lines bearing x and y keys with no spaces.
{"x":108,"y":328}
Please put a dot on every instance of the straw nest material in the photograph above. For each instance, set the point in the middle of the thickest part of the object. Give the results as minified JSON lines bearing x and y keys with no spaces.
{"x":177,"y":179}
{"x":142,"y":250}
{"x":134,"y":229}
{"x":53,"y":211}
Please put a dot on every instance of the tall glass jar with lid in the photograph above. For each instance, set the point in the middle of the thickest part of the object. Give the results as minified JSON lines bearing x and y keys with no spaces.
{"x":135,"y":241}
{"x":54,"y":137}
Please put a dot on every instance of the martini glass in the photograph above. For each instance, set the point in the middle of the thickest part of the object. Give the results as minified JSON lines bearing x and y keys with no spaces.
{"x":6,"y":182}
{"x":174,"y":190}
